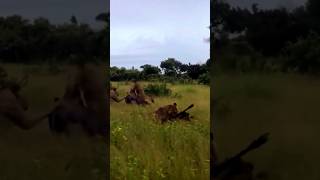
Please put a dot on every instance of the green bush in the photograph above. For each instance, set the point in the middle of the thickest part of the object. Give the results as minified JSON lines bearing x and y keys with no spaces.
{"x":158,"y":90}
{"x":304,"y":55}
{"x":204,"y":79}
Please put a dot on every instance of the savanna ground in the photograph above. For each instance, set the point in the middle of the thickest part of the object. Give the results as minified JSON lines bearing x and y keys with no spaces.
{"x":287,"y":106}
{"x":37,"y":154}
{"x":143,"y":149}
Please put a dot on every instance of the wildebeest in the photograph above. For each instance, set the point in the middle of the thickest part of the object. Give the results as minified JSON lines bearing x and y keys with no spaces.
{"x":139,"y":100}
{"x":84,"y":102}
{"x":137,"y":96}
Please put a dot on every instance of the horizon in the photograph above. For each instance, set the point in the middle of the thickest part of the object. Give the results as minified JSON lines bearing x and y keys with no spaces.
{"x":157,"y":65}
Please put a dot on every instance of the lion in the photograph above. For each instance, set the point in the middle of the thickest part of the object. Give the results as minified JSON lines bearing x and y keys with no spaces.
{"x":170,"y":113}
{"x":166,"y":113}
{"x":114,"y":95}
{"x":13,"y":107}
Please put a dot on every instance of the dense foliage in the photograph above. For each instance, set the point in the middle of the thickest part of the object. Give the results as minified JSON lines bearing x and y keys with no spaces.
{"x":170,"y":70}
{"x":266,"y":39}
{"x":26,"y":41}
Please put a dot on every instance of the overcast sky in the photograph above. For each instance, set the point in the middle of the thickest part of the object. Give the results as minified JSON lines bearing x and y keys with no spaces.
{"x":149,"y":31}
{"x":57,"y":11}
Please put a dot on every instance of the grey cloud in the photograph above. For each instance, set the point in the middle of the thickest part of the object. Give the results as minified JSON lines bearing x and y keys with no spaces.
{"x":162,"y":29}
{"x":184,"y":50}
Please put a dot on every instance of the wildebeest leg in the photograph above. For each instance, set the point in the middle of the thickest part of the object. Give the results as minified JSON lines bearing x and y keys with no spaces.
{"x":95,"y":123}
{"x":57,"y":122}
{"x":89,"y":124}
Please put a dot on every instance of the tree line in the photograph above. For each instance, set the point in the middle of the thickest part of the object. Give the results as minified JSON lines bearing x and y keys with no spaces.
{"x":32,"y":41}
{"x":170,"y":70}
{"x":254,"y":39}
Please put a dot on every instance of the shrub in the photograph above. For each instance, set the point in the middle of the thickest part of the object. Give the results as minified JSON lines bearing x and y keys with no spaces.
{"x":303,"y":55}
{"x":158,"y":90}
{"x":204,"y":79}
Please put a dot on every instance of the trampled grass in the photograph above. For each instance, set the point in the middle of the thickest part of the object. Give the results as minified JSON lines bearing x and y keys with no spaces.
{"x":141,"y":148}
{"x":287,"y":106}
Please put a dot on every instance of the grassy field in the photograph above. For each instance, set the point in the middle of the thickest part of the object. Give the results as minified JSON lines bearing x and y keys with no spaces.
{"x":142,"y":149}
{"x":37,"y":154}
{"x":287,"y":106}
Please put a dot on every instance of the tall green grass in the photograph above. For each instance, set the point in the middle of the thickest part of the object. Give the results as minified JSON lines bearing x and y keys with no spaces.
{"x":287,"y":106}
{"x":141,"y":148}
{"x":37,"y":154}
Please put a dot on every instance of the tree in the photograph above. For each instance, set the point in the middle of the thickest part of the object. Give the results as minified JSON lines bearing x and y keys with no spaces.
{"x":195,"y":70}
{"x":171,"y":67}
{"x":74,"y":20}
{"x":148,"y":70}
{"x":313,"y":9}
{"x":304,"y":55}
{"x":103,"y":17}
{"x":208,"y":64}
{"x":103,"y":37}
{"x":24,"y":41}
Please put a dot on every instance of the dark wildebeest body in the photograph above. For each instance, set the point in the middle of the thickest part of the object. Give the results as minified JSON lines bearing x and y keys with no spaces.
{"x":235,"y":168}
{"x":67,"y":114}
{"x":137,"y":96}
{"x":136,"y":100}
{"x":84,"y":103}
